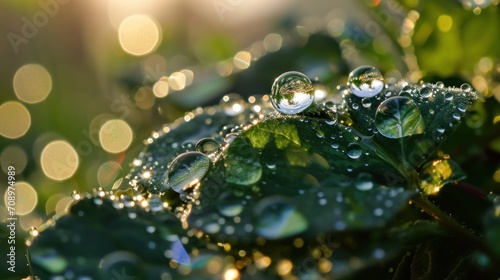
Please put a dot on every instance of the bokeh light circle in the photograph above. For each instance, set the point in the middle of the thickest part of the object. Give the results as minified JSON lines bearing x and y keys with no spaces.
{"x":59,"y":160}
{"x":32,"y":83}
{"x":115,"y":136}
{"x":139,"y":34}
{"x":16,"y":119}
{"x":26,"y":198}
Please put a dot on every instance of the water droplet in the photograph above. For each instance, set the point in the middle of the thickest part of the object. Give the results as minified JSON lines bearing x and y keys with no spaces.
{"x":399,"y":117}
{"x":378,"y":253}
{"x":364,"y":181}
{"x":155,"y":203}
{"x":33,"y":231}
{"x":456,"y":116}
{"x":97,"y":201}
{"x":462,"y":107}
{"x":76,"y":195}
{"x":277,"y":218}
{"x":378,"y":212}
{"x":212,"y":228}
{"x":366,"y":102}
{"x":230,"y":206}
{"x":354,"y":151}
{"x":425,"y":92}
{"x":207,"y":146}
{"x":186,"y":170}
{"x":466,"y":87}
{"x":440,"y":129}
{"x":355,"y":106}
{"x":440,"y":85}
{"x":232,"y":104}
{"x":448,"y":96}
{"x":292,"y":92}
{"x":365,"y":81}
{"x":230,"y":137}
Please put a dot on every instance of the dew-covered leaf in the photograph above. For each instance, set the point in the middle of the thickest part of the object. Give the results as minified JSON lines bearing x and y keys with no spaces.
{"x":410,"y":122}
{"x":150,"y":167}
{"x":103,"y":236}
{"x":324,"y":179}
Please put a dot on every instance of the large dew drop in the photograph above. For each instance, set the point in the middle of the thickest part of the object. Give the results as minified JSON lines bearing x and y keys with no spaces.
{"x":399,"y":117}
{"x":186,"y":170}
{"x":365,"y":81}
{"x":292,"y":92}
{"x":277,"y":218}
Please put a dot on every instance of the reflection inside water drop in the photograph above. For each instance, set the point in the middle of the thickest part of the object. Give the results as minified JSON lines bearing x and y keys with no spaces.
{"x":292,"y":92}
{"x":365,"y":81}
{"x":186,"y":170}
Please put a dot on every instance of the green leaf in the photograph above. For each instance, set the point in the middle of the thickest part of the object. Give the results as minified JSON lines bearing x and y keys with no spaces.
{"x":410,"y":122}
{"x":103,"y":236}
{"x":322,"y":163}
{"x":148,"y":170}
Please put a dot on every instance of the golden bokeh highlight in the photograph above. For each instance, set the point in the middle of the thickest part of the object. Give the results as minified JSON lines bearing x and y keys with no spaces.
{"x":139,"y":34}
{"x":272,"y":42}
{"x":115,"y":136}
{"x":107,"y":173}
{"x":242,"y":60}
{"x":144,"y":98}
{"x":32,"y":83}
{"x":177,"y":81}
{"x":444,"y":23}
{"x":160,"y":88}
{"x":50,"y":204}
{"x":26,"y":198}
{"x":16,"y":119}
{"x":59,"y":160}
{"x":63,"y":205}
{"x":13,"y":156}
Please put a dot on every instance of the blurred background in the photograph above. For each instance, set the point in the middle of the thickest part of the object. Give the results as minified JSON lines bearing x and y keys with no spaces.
{"x":83,"y":83}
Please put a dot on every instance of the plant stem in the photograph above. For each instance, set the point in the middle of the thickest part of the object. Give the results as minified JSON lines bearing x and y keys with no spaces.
{"x":447,"y":220}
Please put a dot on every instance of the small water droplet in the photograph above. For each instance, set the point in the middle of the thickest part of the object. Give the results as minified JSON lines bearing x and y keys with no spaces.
{"x":399,"y":117}
{"x":212,"y":228}
{"x":76,"y":195}
{"x":292,"y":92}
{"x":97,"y":201}
{"x":155,"y":203}
{"x":440,"y":85}
{"x":277,"y":218}
{"x":355,"y":106}
{"x":365,"y":81}
{"x":354,"y":151}
{"x":186,"y":170}
{"x":335,"y":145}
{"x":440,"y":129}
{"x":364,"y":181}
{"x":456,"y":116}
{"x":462,"y":107}
{"x":207,"y":146}
{"x":231,"y":208}
{"x":466,"y":87}
{"x":378,"y":212}
{"x":230,"y":137}
{"x":425,"y":92}
{"x":232,"y":104}
{"x":33,"y":231}
{"x":366,"y":102}
{"x":448,"y":95}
